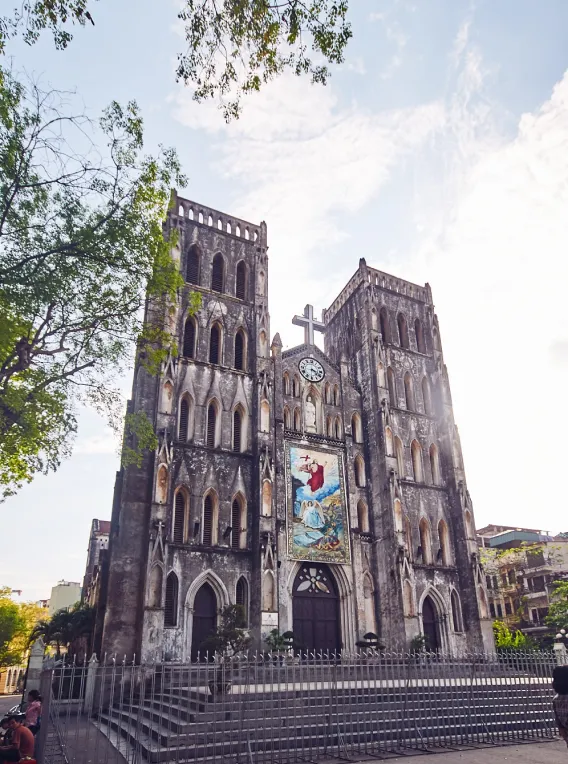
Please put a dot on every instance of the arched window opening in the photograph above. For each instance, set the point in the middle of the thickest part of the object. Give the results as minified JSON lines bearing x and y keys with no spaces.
{"x":426,"y":397}
{"x":384,"y":324}
{"x":469,"y":525}
{"x":435,"y":465}
{"x":162,"y":485}
{"x":264,"y":416}
{"x":241,"y":285}
{"x":155,"y":587}
{"x":399,"y":452}
{"x":456,"y":611}
{"x":210,"y":511}
{"x":218,"y":273}
{"x":409,"y":392}
{"x":296,"y":385}
{"x":215,"y":344}
{"x":392,"y":388}
{"x":242,"y":598}
{"x":211,"y":437}
{"x":425,"y":541}
{"x":408,"y":599}
{"x":336,"y":395}
{"x":286,"y":383}
{"x":398,"y":521}
{"x":327,"y":392}
{"x":417,"y":470}
{"x":179,"y":519}
{"x":286,"y":418}
{"x":443,"y":535}
{"x":237,"y":430}
{"x":338,"y":428}
{"x":185,"y":427}
{"x":419,"y":332}
{"x":238,"y":524}
{"x":297,"y":420}
{"x":389,"y":442}
{"x":363,"y":517}
{"x":171,"y":607}
{"x":240,"y":346}
{"x":193,"y":262}
{"x":402,"y":331}
{"x":356,"y":428}
{"x":329,"y":427}
{"x":381,"y":374}
{"x":436,"y":338}
{"x":267,"y":498}
{"x":189,"y":335}
{"x":359,"y":472}
{"x":167,"y":397}
{"x":408,"y":536}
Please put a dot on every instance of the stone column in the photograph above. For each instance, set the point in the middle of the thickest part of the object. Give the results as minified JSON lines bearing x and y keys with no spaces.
{"x":560,"y":653}
{"x":35,"y":666}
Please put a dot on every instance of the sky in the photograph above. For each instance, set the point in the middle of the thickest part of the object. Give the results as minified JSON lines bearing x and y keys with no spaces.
{"x":438,"y":151}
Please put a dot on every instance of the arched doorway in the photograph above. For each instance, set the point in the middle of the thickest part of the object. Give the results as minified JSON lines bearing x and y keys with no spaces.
{"x":430,"y":625}
{"x":204,"y":618}
{"x":316,"y":609}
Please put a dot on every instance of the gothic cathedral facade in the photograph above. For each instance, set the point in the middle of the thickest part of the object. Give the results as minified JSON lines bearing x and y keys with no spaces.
{"x":325,"y":492}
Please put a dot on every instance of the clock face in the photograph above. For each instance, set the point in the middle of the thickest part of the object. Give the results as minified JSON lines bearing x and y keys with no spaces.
{"x":311,"y":369}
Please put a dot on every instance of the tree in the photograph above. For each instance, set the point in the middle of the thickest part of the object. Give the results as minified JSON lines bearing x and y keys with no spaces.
{"x":81,"y":237}
{"x":11,"y":622}
{"x":557,"y":616}
{"x":231,"y":636}
{"x":69,"y":628}
{"x":505,"y":639}
{"x":30,"y":614}
{"x":233,"y":46}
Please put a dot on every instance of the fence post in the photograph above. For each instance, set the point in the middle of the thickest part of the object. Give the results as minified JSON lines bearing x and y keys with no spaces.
{"x":560,"y":653}
{"x":90,"y":685}
{"x":46,"y":681}
{"x":35,"y":666}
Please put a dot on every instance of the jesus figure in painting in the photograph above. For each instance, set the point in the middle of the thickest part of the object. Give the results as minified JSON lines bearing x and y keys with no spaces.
{"x":316,"y":473}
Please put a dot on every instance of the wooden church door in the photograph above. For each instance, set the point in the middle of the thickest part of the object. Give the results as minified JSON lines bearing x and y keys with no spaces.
{"x":430,"y":625}
{"x":315,"y":609}
{"x":204,"y":618}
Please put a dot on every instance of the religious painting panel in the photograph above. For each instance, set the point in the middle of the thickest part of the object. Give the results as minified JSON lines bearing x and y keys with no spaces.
{"x":316,"y":505}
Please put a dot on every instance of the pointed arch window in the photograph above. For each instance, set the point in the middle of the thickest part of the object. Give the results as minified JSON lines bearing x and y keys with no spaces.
{"x":185,"y":418}
{"x":356,"y":428}
{"x":286,"y":418}
{"x":286,"y":383}
{"x":399,"y":453}
{"x":179,"y":523}
{"x":338,"y":429}
{"x":425,"y":541}
{"x":384,"y":324}
{"x":242,"y":598}
{"x":189,"y":335}
{"x":409,"y":392}
{"x":237,"y":430}
{"x":210,"y":514}
{"x":456,"y":611}
{"x":215,"y":344}
{"x":241,"y":285}
{"x":419,"y":333}
{"x":329,"y":427}
{"x":426,"y":397}
{"x":327,"y":392}
{"x":218,"y":273}
{"x":240,"y":347}
{"x":212,"y":414}
{"x":392,"y":388}
{"x":469,"y":525}
{"x":297,"y":420}
{"x":435,"y":465}
{"x":363,"y":517}
{"x":402,"y":331}
{"x":171,"y":607}
{"x":336,"y":395}
{"x":398,"y":520}
{"x":360,"y":481}
{"x":296,"y":385}
{"x":193,"y":262}
{"x":444,"y":537}
{"x":238,"y":524}
{"x":416,"y":452}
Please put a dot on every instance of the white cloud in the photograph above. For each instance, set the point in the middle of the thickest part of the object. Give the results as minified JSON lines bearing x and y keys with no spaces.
{"x":106,"y":443}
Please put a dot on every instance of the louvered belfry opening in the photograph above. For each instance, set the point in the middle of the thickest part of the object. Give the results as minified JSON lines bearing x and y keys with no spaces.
{"x":236,"y":524}
{"x":183,"y":419}
{"x":218,"y":273}
{"x":189,"y":339}
{"x":240,"y":290}
{"x":237,"y":430}
{"x":239,"y":351}
{"x":211,"y":425}
{"x":214,"y":344}
{"x":192,"y":273}
{"x":179,"y":518}
{"x":208,"y":521}
{"x":171,"y":608}
{"x":242,"y":598}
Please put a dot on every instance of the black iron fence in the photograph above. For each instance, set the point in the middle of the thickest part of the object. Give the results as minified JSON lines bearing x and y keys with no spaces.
{"x":284,"y":708}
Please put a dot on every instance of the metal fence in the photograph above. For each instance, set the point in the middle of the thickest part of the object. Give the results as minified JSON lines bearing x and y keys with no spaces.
{"x":285,"y":708}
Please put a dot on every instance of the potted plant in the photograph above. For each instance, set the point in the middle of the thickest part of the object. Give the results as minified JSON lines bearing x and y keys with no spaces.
{"x":225,"y":643}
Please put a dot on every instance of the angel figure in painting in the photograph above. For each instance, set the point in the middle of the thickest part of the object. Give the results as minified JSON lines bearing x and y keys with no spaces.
{"x":312,"y":514}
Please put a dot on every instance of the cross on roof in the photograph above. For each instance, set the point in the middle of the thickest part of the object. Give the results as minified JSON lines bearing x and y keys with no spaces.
{"x":309,"y":323}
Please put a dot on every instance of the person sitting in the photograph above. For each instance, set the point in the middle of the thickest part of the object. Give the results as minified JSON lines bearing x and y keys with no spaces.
{"x":33,"y":711}
{"x":21,"y":745}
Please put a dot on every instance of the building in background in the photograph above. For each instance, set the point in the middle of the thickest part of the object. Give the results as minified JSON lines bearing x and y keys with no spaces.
{"x":96,"y":554}
{"x":521,"y":566}
{"x":63,"y":595}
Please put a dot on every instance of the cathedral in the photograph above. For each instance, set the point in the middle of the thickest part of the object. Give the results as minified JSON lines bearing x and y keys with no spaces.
{"x":325,"y":492}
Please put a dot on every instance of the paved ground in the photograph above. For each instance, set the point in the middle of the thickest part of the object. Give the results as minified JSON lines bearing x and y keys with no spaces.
{"x":533,"y":753}
{"x":7,"y":702}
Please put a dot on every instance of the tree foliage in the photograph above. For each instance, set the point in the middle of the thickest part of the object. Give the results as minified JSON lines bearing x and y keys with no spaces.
{"x":557,"y":616}
{"x":11,"y":623}
{"x":66,"y":628}
{"x":505,"y":639}
{"x":234,"y":46}
{"x":231,"y":636}
{"x":81,"y":237}
{"x":33,"y":16}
